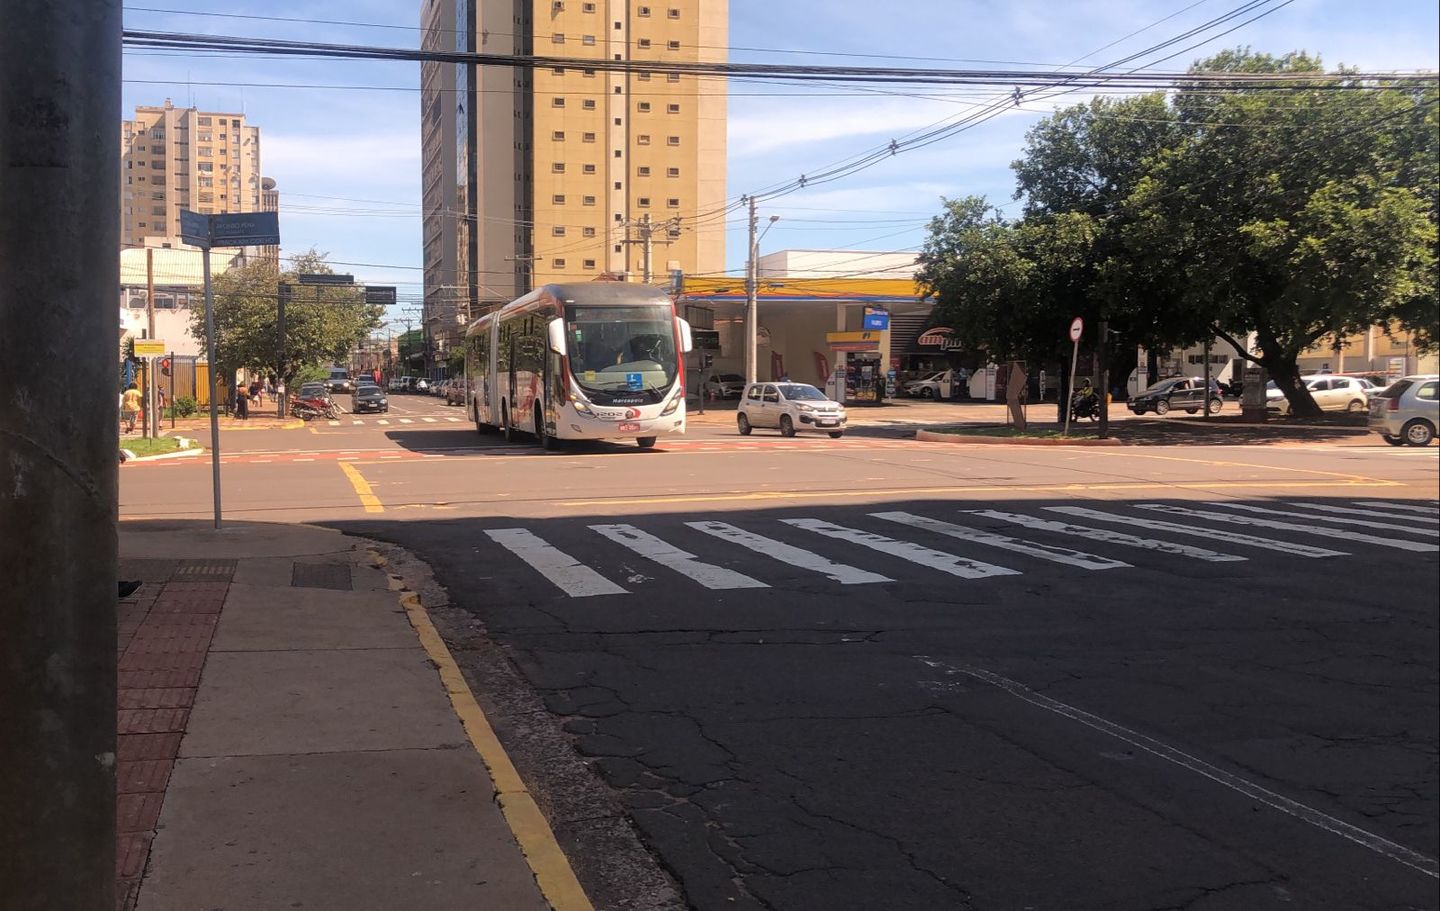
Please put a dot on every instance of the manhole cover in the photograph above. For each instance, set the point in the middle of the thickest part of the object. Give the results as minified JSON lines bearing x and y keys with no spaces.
{"x":321,"y":575}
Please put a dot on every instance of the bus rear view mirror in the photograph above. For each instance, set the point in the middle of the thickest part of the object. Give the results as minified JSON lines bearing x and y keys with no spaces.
{"x":687,"y":340}
{"x":556,"y":332}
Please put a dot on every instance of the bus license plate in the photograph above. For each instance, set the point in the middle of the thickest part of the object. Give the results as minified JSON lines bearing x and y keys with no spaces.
{"x":631,"y":426}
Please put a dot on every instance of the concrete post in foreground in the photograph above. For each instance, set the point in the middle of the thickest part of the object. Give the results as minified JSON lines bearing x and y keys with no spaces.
{"x":59,"y":450}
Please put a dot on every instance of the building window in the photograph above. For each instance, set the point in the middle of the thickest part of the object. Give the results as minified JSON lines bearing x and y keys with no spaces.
{"x":672,"y":140}
{"x":202,"y":121}
{"x":557,"y":231}
{"x":618,"y":121}
{"x":619,"y":90}
{"x":557,"y":38}
{"x":588,"y":169}
{"x":642,"y":171}
{"x":643,"y":107}
{"x":558,"y":136}
{"x":558,"y":199}
{"x":673,"y":13}
{"x":643,"y":202}
{"x":673,"y":202}
{"x":618,"y":153}
{"x":643,"y":139}
{"x":589,"y":73}
{"x":619,"y":185}
{"x":588,"y":40}
{"x":206,"y":153}
{"x":557,"y":167}
{"x":589,"y":263}
{"x":672,"y":172}
{"x":642,"y":11}
{"x":673,"y":45}
{"x":643,"y":77}
{"x":589,"y":104}
{"x":642,"y":43}
{"x":672,"y":77}
{"x":587,"y":7}
{"x":618,"y":217}
{"x":557,"y":102}
{"x":617,"y":246}
{"x":157,"y":210}
{"x":672,"y":108}
{"x":557,"y":263}
{"x":588,"y":232}
{"x":587,"y":137}
{"x":589,"y":200}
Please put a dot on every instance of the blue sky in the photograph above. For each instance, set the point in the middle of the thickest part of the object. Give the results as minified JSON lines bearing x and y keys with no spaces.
{"x":348,"y":159}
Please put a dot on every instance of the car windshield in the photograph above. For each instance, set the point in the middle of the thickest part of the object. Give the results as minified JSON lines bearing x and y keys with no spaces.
{"x":801,"y":392}
{"x":618,"y":350}
{"x":311,"y":389}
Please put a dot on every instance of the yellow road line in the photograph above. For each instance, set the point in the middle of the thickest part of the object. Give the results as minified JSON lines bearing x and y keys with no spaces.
{"x":362,"y":487}
{"x":537,"y":841}
{"x":1021,"y":488}
{"x":1225,"y":463}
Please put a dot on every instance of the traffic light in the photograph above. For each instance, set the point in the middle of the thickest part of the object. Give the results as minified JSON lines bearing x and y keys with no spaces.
{"x":165,"y":366}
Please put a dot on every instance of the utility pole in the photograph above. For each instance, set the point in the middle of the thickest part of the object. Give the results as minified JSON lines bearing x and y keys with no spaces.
{"x":647,"y":229}
{"x":282,"y":297}
{"x":152,"y":418}
{"x":60,"y":245}
{"x":752,"y":302}
{"x":1102,"y":377}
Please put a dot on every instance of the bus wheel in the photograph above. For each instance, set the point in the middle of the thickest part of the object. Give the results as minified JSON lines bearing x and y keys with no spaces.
{"x":546,"y":440}
{"x":505,"y":427}
{"x":645,"y":442}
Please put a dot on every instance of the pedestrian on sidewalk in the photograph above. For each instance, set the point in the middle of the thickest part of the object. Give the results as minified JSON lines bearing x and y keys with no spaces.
{"x":130,"y":405}
{"x":242,"y":404}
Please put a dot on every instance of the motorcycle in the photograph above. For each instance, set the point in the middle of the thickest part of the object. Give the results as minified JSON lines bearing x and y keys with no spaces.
{"x":1085,"y":404}
{"x":309,"y":409}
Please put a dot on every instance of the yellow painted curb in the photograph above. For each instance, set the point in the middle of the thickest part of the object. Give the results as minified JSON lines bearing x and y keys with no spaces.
{"x":528,"y":824}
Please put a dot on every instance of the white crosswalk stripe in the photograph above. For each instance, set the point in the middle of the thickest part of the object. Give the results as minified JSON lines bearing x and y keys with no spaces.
{"x":356,"y":423}
{"x":1427,"y":509}
{"x":333,"y":423}
{"x":1336,"y":520}
{"x":1050,"y":552}
{"x":1110,"y":536}
{"x":453,"y":420}
{"x":786,"y":553}
{"x":1373,"y":513}
{"x":382,"y":422}
{"x":1212,"y":534}
{"x":406,"y":421}
{"x":1414,"y":546}
{"x":428,"y":420}
{"x":946,"y":563}
{"x":672,"y":557}
{"x":571,"y":576}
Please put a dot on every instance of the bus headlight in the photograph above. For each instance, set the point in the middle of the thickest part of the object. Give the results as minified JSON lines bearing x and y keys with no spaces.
{"x":675,"y":401}
{"x":580,"y":405}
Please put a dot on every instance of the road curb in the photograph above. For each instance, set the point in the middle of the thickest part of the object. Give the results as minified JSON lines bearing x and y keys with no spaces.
{"x":177,"y":454}
{"x":931,"y":436}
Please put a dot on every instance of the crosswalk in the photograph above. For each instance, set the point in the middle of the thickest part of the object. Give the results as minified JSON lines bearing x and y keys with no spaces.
{"x":963,"y":545}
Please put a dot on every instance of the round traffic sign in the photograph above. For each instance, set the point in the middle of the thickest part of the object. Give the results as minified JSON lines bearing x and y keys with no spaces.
{"x":1077,"y":326}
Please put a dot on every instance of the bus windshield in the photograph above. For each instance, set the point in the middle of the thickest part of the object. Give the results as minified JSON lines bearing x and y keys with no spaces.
{"x":622,"y":350}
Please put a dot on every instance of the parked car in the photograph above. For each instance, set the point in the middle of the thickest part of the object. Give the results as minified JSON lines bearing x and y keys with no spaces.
{"x":791,"y":407}
{"x":1331,"y":393}
{"x":928,"y":387}
{"x":725,"y":386}
{"x":317,"y":390}
{"x":369,"y":398}
{"x":339,"y":380}
{"x":455,"y":392}
{"x":1185,"y":392}
{"x":1407,"y":411}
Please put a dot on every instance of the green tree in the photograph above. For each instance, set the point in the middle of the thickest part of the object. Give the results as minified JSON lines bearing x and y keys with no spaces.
{"x":1294,"y":215}
{"x":322,"y":322}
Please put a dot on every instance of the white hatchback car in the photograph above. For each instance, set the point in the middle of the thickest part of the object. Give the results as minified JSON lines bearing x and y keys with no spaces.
{"x":791,"y":407}
{"x":1331,"y":393}
{"x":1407,"y":411}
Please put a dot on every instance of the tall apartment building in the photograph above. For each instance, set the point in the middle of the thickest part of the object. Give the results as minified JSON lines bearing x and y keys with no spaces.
{"x":183,"y":158}
{"x":558,"y":170}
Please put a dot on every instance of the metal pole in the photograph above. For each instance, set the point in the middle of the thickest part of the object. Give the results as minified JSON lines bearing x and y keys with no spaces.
{"x":1070,"y":393}
{"x":172,"y":390}
{"x":645,"y":229}
{"x":1207,"y":378}
{"x":282,"y":295}
{"x":60,"y":246}
{"x":214,"y":410}
{"x":152,"y":426}
{"x":752,"y":307}
{"x":1102,"y":377}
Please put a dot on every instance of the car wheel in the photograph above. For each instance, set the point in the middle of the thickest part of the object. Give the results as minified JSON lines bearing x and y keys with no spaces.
{"x":1418,"y":433}
{"x":743,"y":423}
{"x":1162,"y":407}
{"x":1355,"y":407}
{"x":836,"y":434}
{"x":787,"y":426}
{"x":1216,"y":405}
{"x":1393,"y":441}
{"x":926,"y":392}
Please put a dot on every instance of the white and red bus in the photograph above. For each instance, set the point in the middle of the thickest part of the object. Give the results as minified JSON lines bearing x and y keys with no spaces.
{"x":588,"y":361}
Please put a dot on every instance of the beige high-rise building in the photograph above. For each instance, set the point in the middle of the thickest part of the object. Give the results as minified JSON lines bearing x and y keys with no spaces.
{"x":184,"y":158}
{"x":559,"y":173}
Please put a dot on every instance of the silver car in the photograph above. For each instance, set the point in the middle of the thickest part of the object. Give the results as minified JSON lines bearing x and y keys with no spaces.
{"x":791,"y":407}
{"x":1407,"y":411}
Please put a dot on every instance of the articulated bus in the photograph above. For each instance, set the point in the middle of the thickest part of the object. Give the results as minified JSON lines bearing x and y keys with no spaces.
{"x":588,"y":361}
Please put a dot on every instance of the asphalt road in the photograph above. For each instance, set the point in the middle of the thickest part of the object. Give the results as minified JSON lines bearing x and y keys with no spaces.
{"x":877,"y":674}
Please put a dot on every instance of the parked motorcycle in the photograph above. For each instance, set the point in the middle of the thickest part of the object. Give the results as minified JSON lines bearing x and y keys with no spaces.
{"x":309,"y":409}
{"x":1085,"y":404}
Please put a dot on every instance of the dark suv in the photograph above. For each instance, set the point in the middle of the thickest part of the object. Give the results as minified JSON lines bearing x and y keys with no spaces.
{"x":1178,"y":392}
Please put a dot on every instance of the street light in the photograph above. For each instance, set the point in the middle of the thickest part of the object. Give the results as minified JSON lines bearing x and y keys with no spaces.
{"x":752,"y":301}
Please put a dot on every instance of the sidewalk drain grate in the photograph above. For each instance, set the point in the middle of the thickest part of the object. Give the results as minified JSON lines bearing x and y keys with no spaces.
{"x":321,"y":575}
{"x":208,"y":570}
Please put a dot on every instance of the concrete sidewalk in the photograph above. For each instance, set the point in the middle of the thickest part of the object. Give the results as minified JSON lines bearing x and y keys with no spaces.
{"x":286,"y":740}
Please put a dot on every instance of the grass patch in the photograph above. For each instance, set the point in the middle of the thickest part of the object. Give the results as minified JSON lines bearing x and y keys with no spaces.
{"x":143,"y":446}
{"x":1031,"y":433}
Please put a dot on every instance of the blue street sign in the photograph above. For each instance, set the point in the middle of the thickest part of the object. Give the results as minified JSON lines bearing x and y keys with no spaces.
{"x":636,"y":381}
{"x":194,"y":228}
{"x":245,"y":229}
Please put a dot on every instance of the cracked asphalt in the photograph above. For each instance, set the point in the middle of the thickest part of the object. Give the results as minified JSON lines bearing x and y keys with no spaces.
{"x":1005,"y":730}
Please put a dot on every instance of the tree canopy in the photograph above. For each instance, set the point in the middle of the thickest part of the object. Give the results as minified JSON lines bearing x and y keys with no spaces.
{"x":1292,"y":215}
{"x":322,"y":322}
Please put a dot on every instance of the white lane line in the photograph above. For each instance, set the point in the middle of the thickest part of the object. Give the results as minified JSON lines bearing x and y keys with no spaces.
{"x":304,"y":460}
{"x":1396,"y":543}
{"x":1049,"y":552}
{"x":1109,"y":536}
{"x":406,"y":421}
{"x":1211,"y":534}
{"x":1373,"y":513}
{"x":392,"y":457}
{"x":668,"y":555}
{"x":382,"y":422}
{"x":1338,"y":520}
{"x":453,"y":420}
{"x":428,"y":420}
{"x":1321,"y":820}
{"x":785,"y":553}
{"x":333,"y":423}
{"x":1427,"y":510}
{"x":568,"y":574}
{"x":924,"y":556}
{"x":356,"y":423}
